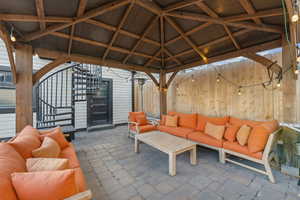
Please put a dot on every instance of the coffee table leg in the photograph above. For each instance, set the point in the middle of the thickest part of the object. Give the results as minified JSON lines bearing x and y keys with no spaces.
{"x":136,"y":145}
{"x":172,"y":164}
{"x":193,"y":155}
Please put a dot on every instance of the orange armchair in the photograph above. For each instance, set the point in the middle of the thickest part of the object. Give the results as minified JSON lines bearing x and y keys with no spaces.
{"x":138,"y":123}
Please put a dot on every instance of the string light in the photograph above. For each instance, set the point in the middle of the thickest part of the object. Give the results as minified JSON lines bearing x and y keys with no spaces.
{"x":278,"y":84}
{"x":295,"y":16}
{"x":218,"y":78}
{"x":193,"y":80}
{"x":12,"y":37}
{"x":240,"y":91}
{"x":297,"y":70}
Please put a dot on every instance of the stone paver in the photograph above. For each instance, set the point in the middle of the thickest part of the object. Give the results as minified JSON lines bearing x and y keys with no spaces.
{"x":114,"y":172}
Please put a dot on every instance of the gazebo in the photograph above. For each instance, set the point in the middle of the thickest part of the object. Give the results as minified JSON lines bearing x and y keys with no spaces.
{"x":141,"y":35}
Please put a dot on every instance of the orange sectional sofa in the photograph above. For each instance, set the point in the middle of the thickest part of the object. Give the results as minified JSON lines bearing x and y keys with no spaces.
{"x":69,"y":183}
{"x":192,"y":126}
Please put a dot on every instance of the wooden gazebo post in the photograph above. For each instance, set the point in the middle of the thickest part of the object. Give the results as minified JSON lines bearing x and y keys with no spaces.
{"x":23,"y":86}
{"x":162,"y":92}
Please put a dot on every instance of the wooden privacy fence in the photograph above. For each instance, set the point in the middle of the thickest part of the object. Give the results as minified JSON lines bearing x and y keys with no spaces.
{"x":198,"y":91}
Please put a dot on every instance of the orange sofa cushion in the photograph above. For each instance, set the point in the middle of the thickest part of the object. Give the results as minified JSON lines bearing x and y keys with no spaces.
{"x":259,"y":136}
{"x":203,"y":138}
{"x":185,"y":120}
{"x":202,"y":120}
{"x":49,"y":149}
{"x":141,"y":120}
{"x":46,"y":185}
{"x":26,"y":141}
{"x":133,"y":115}
{"x":145,"y":128}
{"x":163,"y":120}
{"x":177,"y":131}
{"x":243,"y":134}
{"x":230,"y":132}
{"x":70,"y":154}
{"x":236,"y":147}
{"x":251,"y":123}
{"x":58,"y":136}
{"x":171,"y":121}
{"x":214,"y":130}
{"x":10,"y":161}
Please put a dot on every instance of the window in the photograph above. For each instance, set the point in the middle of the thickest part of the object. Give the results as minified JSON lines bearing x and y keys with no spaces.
{"x":6,"y":79}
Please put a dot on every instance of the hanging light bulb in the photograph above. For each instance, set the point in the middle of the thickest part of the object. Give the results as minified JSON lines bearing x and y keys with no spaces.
{"x":278,"y":84}
{"x":193,"y":80}
{"x":295,"y":17}
{"x":218,"y":78}
{"x":298,"y":59}
{"x":240,"y":91}
{"x":12,"y":37}
{"x":297,"y":71}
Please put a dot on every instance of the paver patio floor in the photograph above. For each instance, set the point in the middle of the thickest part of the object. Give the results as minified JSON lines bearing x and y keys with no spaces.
{"x":115,"y":172}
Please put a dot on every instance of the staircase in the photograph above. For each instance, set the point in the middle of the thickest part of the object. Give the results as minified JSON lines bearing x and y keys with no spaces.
{"x":58,"y":93}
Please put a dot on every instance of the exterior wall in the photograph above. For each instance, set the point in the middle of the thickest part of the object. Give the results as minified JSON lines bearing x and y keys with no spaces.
{"x":121,"y":96}
{"x":204,"y":95}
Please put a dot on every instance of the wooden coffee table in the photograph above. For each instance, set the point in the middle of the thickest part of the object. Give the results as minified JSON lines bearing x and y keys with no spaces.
{"x":168,"y":144}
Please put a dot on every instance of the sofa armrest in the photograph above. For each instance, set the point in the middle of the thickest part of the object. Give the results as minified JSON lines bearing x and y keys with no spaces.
{"x":86,"y":195}
{"x":270,"y":144}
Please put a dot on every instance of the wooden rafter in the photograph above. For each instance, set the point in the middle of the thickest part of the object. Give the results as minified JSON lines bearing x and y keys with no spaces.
{"x":153,"y":78}
{"x":101,"y":44}
{"x":183,"y":35}
{"x":180,"y":4}
{"x":275,"y":67}
{"x":115,"y":35}
{"x":233,"y":54}
{"x":45,"y":53}
{"x":123,"y":32}
{"x":145,"y":32}
{"x":162,"y":40}
{"x":213,"y":14}
{"x":172,"y":56}
{"x":80,"y":11}
{"x":9,"y":48}
{"x":39,"y":4}
{"x":210,"y":43}
{"x":47,"y":68}
{"x":31,"y":18}
{"x":90,"y":14}
{"x":203,"y":18}
{"x":172,"y":78}
{"x":247,"y":5}
{"x":150,"y":5}
{"x":152,"y":58}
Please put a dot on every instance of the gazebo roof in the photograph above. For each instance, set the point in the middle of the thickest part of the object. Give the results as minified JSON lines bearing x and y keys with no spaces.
{"x":145,"y":35}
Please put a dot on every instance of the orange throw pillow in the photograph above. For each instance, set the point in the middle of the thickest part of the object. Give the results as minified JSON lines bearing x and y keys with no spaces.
{"x":243,"y":135}
{"x":26,"y":142}
{"x":214,"y":130}
{"x":258,"y":139}
{"x":171,"y":121}
{"x":141,"y":120}
{"x":46,"y":164}
{"x":46,"y":185}
{"x":48,"y":149}
{"x":58,"y":136}
{"x":231,"y":131}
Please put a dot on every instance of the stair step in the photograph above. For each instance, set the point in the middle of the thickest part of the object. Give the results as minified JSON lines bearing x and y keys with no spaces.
{"x":100,"y":127}
{"x":59,"y":114}
{"x":57,"y":120}
{"x":53,"y":126}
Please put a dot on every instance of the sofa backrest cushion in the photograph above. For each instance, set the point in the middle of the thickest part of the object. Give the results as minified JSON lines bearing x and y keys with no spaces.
{"x":185,"y":120}
{"x":141,"y":120}
{"x":260,"y":134}
{"x":46,"y":185}
{"x":58,"y":136}
{"x":26,"y":141}
{"x":202,"y":120}
{"x":163,"y":120}
{"x":132,"y":115}
{"x":172,"y":120}
{"x":241,"y":122}
{"x":10,"y":161}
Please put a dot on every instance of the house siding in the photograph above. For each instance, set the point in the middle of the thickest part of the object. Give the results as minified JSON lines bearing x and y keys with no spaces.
{"x":121,"y":96}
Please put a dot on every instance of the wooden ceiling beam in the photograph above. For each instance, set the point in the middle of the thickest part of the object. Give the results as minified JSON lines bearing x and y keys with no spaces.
{"x":9,"y":49}
{"x":247,"y":5}
{"x":145,"y":32}
{"x":153,"y":79}
{"x":213,"y":14}
{"x":267,"y":13}
{"x":162,"y":40}
{"x":180,"y":4}
{"x":172,"y":57}
{"x":203,"y":18}
{"x":115,"y":35}
{"x":48,"y":67}
{"x":80,"y":11}
{"x":183,"y":35}
{"x":275,"y":67}
{"x":152,"y":58}
{"x":123,"y":32}
{"x":31,"y":18}
{"x":90,"y":14}
{"x":150,"y":5}
{"x":39,"y":4}
{"x":233,"y":54}
{"x":101,"y":44}
{"x":45,"y":53}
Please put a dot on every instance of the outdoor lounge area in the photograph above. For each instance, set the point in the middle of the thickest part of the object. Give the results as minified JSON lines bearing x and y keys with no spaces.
{"x":149,"y":99}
